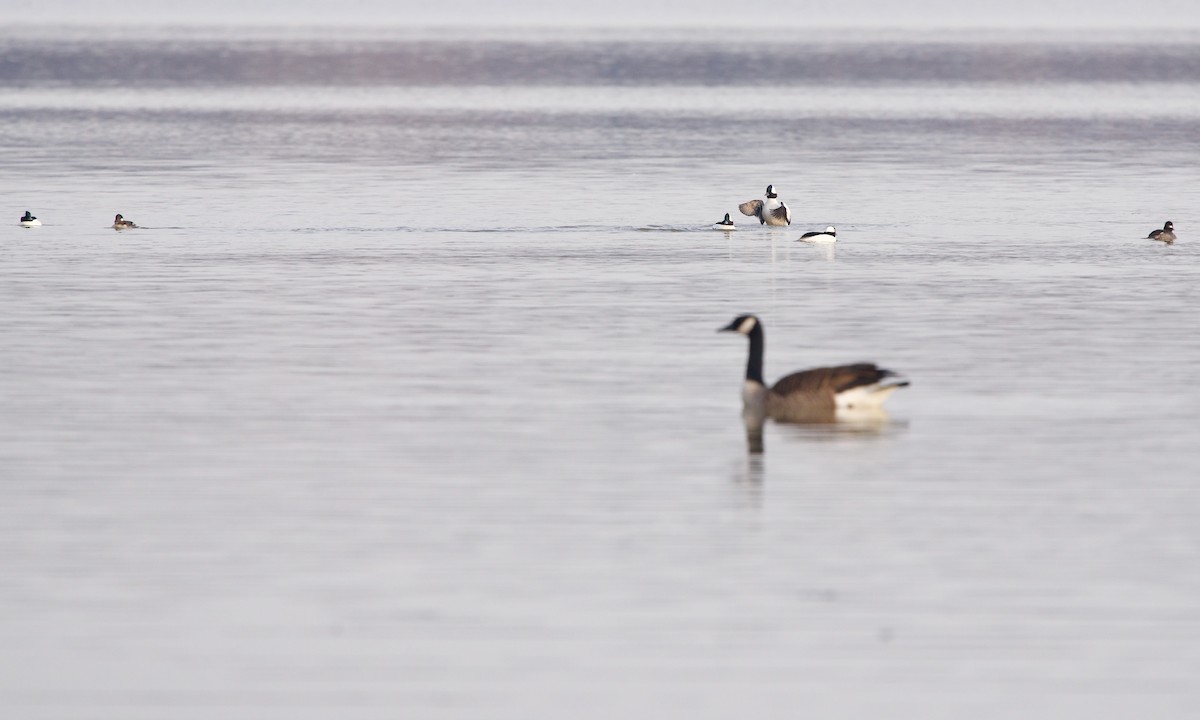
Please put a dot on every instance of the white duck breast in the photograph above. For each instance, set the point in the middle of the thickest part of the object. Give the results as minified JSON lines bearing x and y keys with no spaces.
{"x":775,"y":212}
{"x":828,"y":235}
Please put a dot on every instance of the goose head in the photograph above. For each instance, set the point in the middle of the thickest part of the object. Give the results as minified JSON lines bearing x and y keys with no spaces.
{"x":743,"y":324}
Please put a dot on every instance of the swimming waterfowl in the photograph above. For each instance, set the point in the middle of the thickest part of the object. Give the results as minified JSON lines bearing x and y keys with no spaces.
{"x":120,"y":223}
{"x":817,"y":395}
{"x":827,"y":235}
{"x":1167,"y":234}
{"x":769,"y":211}
{"x":725,"y":224}
{"x":28,"y":220}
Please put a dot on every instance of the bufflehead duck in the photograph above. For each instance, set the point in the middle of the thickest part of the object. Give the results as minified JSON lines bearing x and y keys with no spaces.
{"x":769,"y":211}
{"x":1167,"y":234}
{"x":725,"y":224}
{"x":120,"y":223}
{"x":28,"y":220}
{"x":817,"y":395}
{"x":828,"y":235}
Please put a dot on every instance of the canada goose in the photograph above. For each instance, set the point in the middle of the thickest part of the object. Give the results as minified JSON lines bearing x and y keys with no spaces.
{"x":769,"y":211}
{"x":1167,"y":234}
{"x":816,"y":395}
{"x":725,"y":224}
{"x":28,"y":220}
{"x":120,"y":223}
{"x":827,"y":235}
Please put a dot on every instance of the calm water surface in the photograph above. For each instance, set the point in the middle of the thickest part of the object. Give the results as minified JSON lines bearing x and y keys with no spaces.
{"x":409,"y":401}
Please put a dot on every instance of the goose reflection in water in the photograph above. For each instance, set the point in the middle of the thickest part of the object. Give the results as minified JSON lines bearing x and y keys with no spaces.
{"x":840,"y":425}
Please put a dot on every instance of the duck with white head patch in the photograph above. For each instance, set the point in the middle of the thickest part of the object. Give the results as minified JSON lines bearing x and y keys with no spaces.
{"x":769,"y":211}
{"x":1167,"y":234}
{"x":28,"y":220}
{"x":725,"y":224}
{"x":120,"y":223}
{"x":828,"y":235}
{"x":820,"y":395}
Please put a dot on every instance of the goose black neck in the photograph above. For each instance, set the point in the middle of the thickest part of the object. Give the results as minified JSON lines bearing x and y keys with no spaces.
{"x":755,"y":365}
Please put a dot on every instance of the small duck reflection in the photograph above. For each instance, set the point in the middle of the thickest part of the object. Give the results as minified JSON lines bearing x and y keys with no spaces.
{"x":846,"y":393}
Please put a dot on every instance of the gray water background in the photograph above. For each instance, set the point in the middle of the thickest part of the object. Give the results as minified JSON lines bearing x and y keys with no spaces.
{"x":408,"y":401}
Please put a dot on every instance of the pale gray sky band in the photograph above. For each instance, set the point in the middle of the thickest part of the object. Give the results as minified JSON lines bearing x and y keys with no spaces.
{"x":1112,"y":14}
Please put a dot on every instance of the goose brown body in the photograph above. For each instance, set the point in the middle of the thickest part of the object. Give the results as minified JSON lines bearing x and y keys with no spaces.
{"x":820,"y":391}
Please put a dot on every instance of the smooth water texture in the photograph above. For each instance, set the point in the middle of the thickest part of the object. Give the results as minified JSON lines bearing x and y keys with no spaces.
{"x":408,"y":400}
